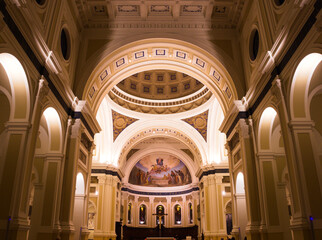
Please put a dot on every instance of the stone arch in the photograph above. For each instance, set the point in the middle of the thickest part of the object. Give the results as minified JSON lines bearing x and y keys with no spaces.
{"x":208,"y":47}
{"x":177,"y":55}
{"x":265,"y":128}
{"x":14,"y":80}
{"x":54,"y":129}
{"x":80,"y":208}
{"x":272,"y":163}
{"x":305,"y":99}
{"x":146,"y":128}
{"x":47,"y":160}
{"x":300,"y":85}
{"x":240,"y":203}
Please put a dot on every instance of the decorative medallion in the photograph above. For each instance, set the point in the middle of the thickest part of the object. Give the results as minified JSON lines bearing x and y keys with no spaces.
{"x":160,"y":8}
{"x":192,"y":8}
{"x":120,"y":122}
{"x":128,"y":8}
{"x":199,"y":122}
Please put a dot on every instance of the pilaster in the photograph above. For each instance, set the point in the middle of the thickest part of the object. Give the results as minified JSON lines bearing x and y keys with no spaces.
{"x":250,"y":177}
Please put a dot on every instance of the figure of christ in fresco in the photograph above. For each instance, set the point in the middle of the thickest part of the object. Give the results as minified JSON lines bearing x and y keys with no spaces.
{"x":161,"y":172}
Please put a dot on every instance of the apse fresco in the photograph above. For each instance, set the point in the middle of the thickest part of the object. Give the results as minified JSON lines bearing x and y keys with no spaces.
{"x":160,"y":171}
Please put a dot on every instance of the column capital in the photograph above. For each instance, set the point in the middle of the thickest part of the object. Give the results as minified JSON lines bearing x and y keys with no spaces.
{"x":243,"y":129}
{"x":218,"y":178}
{"x":76,"y":129}
{"x":101,"y":179}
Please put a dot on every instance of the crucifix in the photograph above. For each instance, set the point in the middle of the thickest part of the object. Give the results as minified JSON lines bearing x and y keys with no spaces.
{"x":159,"y":214}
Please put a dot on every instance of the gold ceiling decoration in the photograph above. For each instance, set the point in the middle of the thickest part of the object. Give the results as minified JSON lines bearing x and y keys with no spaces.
{"x":168,"y":107}
{"x":120,"y":122}
{"x":199,"y":122}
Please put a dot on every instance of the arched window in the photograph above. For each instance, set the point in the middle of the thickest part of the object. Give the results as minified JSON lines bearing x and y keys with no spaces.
{"x":160,"y":211}
{"x":129,"y":213}
{"x":190,"y":213}
{"x":142,"y":214}
{"x":177,"y":214}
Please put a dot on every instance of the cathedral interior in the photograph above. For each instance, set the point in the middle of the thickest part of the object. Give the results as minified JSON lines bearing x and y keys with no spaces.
{"x":179,"y":119}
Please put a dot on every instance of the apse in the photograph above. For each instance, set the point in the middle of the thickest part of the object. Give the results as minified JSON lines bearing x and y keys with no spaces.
{"x":160,"y":170}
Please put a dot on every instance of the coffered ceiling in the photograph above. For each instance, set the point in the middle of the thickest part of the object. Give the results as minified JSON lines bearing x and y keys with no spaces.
{"x":159,"y":14}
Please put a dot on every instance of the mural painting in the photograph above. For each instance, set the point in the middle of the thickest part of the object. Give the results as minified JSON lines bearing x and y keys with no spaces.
{"x":161,"y":170}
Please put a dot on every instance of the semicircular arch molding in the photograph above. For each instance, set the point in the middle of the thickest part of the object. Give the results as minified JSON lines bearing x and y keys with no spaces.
{"x":299,"y":94}
{"x":137,"y":39}
{"x":19,"y":87}
{"x":265,"y":128}
{"x":150,"y":129}
{"x":160,"y":54}
{"x":54,"y":129}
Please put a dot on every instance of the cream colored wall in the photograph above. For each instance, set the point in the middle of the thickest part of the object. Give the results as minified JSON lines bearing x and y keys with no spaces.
{"x":41,"y":26}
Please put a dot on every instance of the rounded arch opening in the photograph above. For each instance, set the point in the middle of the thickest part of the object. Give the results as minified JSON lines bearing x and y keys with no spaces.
{"x":190,"y":60}
{"x":240,"y":186}
{"x":265,"y":128}
{"x":14,"y":80}
{"x":142,"y":214}
{"x":160,"y":211}
{"x":54,"y":128}
{"x":300,"y":85}
{"x":177,"y":214}
{"x":80,"y":184}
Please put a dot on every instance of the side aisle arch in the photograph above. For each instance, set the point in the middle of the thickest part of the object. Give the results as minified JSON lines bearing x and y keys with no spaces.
{"x":305,"y":104}
{"x":300,"y":87}
{"x":14,"y":83}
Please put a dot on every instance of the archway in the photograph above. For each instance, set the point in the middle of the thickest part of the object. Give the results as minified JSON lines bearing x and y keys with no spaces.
{"x":47,"y":166}
{"x":229,"y":220}
{"x":124,"y":128}
{"x":14,"y":83}
{"x":305,"y":99}
{"x":79,"y":217}
{"x":241,"y":208}
{"x":15,"y":113}
{"x":272,"y":164}
{"x":159,"y":54}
